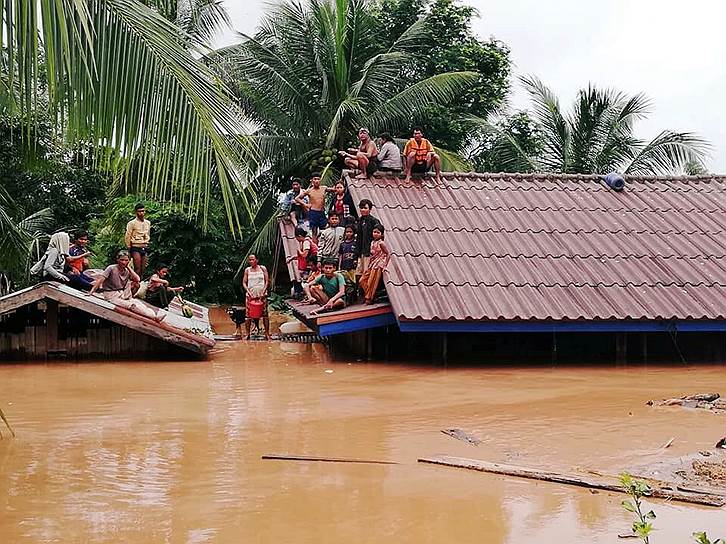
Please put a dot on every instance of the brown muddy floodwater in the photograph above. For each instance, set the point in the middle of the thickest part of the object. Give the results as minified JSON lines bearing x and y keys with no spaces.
{"x":150,"y":452}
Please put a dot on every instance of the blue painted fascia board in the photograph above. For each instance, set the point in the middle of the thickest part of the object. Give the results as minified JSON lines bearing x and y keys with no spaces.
{"x":353,"y":325}
{"x":564,"y":326}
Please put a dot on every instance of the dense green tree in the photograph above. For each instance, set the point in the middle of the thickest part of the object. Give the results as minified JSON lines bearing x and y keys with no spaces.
{"x":315,"y":71}
{"x":204,"y":261}
{"x":491,"y":153}
{"x":119,"y":77}
{"x":597,"y":136}
{"x":450,"y":46}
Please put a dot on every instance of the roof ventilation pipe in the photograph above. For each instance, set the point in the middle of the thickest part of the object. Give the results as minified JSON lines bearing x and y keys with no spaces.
{"x":615,"y":181}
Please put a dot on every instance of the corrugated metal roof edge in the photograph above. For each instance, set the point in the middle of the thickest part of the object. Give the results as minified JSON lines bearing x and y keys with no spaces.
{"x":719,"y":178}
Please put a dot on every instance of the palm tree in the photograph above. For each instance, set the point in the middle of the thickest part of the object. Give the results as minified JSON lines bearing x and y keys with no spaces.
{"x":314,"y":72}
{"x":116,"y":74}
{"x":200,"y":20}
{"x":597,"y":136}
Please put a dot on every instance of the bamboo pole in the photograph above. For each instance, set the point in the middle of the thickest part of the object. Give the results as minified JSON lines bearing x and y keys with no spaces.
{"x":607,"y":483}
{"x":283,"y":457}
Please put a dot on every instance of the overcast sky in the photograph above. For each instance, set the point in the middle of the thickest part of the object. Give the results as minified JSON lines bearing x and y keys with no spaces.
{"x":673,"y":51}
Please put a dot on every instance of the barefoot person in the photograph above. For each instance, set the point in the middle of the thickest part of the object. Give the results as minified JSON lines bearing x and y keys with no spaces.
{"x":377,"y":264}
{"x":315,"y":208}
{"x":365,"y":158}
{"x":114,"y":285}
{"x":420,"y":157}
{"x":158,"y":293}
{"x":294,"y":212}
{"x":137,"y":238}
{"x":328,"y":289}
{"x":256,"y":282}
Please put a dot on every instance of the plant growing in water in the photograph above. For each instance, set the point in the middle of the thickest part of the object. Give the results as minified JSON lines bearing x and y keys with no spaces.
{"x":643,"y":526}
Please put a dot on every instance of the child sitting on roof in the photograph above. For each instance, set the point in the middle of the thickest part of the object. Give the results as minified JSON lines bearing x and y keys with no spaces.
{"x":328,"y":289}
{"x":376,"y":265}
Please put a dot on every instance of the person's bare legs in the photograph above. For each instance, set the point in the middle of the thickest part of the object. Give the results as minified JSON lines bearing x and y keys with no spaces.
{"x":308,"y":295}
{"x":319,"y":295}
{"x":434,"y":160}
{"x":248,"y":328}
{"x":293,"y":219}
{"x":136,"y":257}
{"x":410,"y":159}
{"x":362,"y":166}
{"x":266,"y":324}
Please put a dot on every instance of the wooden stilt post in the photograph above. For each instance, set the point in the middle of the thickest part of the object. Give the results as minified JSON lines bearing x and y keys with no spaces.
{"x":621,"y":347}
{"x":445,"y":347}
{"x":369,"y":344}
{"x":51,"y":327}
{"x":554,"y":348}
{"x":644,"y":346}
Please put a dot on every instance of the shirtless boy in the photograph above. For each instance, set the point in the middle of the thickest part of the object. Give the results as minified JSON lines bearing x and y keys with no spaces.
{"x":315,"y":208}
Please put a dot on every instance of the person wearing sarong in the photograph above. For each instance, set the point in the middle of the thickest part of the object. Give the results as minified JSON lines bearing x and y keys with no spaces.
{"x":376,"y":265}
{"x":256,"y":282}
{"x":114,"y":285}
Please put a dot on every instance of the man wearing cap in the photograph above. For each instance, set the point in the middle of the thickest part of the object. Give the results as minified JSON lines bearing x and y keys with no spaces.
{"x":365,"y":158}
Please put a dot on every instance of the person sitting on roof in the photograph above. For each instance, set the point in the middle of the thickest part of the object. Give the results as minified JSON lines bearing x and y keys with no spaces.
{"x":315,"y":205}
{"x":376,"y":265}
{"x":343,"y":205}
{"x":314,"y":273}
{"x":306,"y":256}
{"x":52,"y":264}
{"x":365,"y":157}
{"x":158,"y":292}
{"x":293,"y":211}
{"x":114,"y":285}
{"x":77,"y":263}
{"x":420,"y":156}
{"x":328,"y":289}
{"x":389,"y":157}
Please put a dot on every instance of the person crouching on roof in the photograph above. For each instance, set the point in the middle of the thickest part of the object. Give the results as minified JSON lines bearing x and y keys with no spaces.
{"x":158,"y":293}
{"x":306,"y":256}
{"x":389,"y":157}
{"x":420,"y":156}
{"x":376,"y":265}
{"x":114,"y":285}
{"x":328,"y":289}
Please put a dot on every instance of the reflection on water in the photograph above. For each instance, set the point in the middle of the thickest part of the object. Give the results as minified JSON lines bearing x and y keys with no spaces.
{"x":170,"y":452}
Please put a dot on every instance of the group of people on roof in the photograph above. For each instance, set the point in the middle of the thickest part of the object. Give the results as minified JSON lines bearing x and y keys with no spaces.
{"x":68,"y":262}
{"x":384,"y":156}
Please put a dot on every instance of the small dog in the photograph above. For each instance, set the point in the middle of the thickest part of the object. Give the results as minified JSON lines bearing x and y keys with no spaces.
{"x":237,"y":314}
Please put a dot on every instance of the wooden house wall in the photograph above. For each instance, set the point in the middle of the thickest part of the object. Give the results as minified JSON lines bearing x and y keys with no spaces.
{"x":24,"y":334}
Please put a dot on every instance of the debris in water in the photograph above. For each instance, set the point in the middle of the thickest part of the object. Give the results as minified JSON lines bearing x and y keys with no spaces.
{"x":328,"y":370}
{"x":704,"y":401}
{"x":284,"y":457}
{"x":721,"y":443}
{"x":462,"y":435}
{"x":628,"y":535}
{"x":669,"y":443}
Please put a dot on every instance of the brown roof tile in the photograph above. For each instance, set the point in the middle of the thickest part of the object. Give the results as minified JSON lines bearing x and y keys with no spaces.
{"x":563,"y":247}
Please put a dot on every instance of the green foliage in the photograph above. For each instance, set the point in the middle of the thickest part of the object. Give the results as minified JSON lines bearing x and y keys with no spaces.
{"x":203,"y":260}
{"x":450,"y":46}
{"x":316,"y":71}
{"x":702,"y":538}
{"x":642,"y":526}
{"x":491,"y":153}
{"x":597,"y":136}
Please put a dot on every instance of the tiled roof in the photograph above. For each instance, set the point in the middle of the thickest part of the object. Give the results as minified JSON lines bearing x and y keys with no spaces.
{"x":552,"y":247}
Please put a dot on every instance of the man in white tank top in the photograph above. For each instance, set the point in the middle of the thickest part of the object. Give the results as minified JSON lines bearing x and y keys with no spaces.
{"x":256,"y":282}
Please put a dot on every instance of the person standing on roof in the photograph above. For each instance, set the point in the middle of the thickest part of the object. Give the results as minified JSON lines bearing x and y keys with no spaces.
{"x":330,"y":238}
{"x":294,"y":212}
{"x":315,"y":208}
{"x":365,"y":158}
{"x":256,"y":283}
{"x":364,"y":235}
{"x":380,"y":255}
{"x":138,"y":236}
{"x":342,"y":205}
{"x":389,"y":157}
{"x":420,"y":156}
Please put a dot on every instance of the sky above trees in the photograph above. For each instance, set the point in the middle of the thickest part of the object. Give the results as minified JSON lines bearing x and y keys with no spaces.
{"x":669,"y":50}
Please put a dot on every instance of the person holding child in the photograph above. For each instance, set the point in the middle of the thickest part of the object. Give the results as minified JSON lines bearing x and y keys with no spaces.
{"x":380,"y":255}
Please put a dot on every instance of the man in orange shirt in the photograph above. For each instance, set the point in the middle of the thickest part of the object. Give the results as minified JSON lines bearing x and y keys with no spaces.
{"x":420,"y":156}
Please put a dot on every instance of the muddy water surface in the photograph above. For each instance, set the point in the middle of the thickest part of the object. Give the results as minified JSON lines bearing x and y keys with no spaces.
{"x":170,"y":452}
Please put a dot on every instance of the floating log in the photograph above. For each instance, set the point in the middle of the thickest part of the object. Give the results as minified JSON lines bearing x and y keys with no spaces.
{"x":283,"y":457}
{"x":463,"y":436}
{"x":608,"y":483}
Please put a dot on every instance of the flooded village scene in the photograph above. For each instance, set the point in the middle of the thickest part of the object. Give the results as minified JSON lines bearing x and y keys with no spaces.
{"x":362,"y":271}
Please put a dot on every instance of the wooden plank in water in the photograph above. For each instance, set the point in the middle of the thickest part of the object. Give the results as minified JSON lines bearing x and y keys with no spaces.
{"x":283,"y":457}
{"x":462,"y":435}
{"x":607,"y":483}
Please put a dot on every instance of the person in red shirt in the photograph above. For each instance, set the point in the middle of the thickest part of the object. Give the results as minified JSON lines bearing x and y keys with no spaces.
{"x":420,"y":156}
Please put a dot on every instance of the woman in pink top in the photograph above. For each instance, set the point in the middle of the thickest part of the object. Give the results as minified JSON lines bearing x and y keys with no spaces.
{"x":376,"y":265}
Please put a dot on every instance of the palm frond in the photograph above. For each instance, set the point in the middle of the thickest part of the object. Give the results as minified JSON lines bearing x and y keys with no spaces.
{"x":556,"y":131}
{"x":507,"y":150}
{"x":397,"y":111}
{"x":668,"y":152}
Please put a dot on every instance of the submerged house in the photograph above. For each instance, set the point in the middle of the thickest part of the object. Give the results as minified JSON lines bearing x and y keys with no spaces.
{"x":545,"y":263}
{"x":52,"y":320}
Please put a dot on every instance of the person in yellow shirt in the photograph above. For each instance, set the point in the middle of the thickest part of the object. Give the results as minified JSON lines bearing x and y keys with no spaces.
{"x":420,"y":156}
{"x":137,"y":238}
